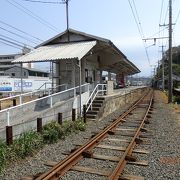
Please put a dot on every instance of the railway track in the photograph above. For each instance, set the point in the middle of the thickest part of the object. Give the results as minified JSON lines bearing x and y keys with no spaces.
{"x":126,"y":132}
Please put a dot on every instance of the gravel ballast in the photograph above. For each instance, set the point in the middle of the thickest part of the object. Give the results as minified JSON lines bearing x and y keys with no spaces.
{"x":164,"y":148}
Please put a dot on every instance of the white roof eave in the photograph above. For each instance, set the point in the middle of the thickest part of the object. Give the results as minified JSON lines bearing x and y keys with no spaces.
{"x":57,"y":52}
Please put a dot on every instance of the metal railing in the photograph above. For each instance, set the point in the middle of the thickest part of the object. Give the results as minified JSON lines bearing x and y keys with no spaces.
{"x":52,"y":89}
{"x":9,"y":115}
{"x":39,"y":92}
{"x":44,"y":85}
{"x":99,"y":89}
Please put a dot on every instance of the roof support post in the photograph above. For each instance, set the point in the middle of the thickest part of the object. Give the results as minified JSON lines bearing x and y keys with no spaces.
{"x":21,"y":79}
{"x":80,"y":85}
{"x":109,"y":76}
{"x":74,"y":76}
{"x":100,"y":76}
{"x":52,"y":77}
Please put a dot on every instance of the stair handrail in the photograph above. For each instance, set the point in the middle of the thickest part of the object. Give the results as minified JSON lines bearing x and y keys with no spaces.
{"x":44,"y":85}
{"x":93,"y":95}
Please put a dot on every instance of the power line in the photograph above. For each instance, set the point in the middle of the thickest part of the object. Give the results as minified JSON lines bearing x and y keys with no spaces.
{"x":10,"y":42}
{"x":177,"y":18}
{"x":139,"y":28}
{"x":14,"y":40}
{"x":135,"y":18}
{"x":10,"y":45}
{"x":139,"y":22}
{"x":33,"y":15}
{"x":158,"y":32}
{"x":166,"y":14}
{"x":17,"y":35}
{"x":46,"y":2}
{"x":20,"y":31}
{"x":162,"y":4}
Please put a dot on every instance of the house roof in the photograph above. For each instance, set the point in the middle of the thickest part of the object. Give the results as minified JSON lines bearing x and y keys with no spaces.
{"x":89,"y":37}
{"x":57,"y":52}
{"x":79,"y":45}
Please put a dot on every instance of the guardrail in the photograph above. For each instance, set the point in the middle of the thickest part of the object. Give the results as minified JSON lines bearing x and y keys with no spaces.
{"x":58,"y":87}
{"x":100,"y":88}
{"x":38,"y":92}
{"x":8,"y":115}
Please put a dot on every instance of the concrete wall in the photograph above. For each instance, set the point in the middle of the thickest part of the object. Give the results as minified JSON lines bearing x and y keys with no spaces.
{"x":25,"y":118}
{"x":68,"y":71}
{"x":114,"y":103}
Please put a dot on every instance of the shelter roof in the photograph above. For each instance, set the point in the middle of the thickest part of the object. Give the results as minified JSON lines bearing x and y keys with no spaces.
{"x":57,"y":52}
{"x":78,"y":46}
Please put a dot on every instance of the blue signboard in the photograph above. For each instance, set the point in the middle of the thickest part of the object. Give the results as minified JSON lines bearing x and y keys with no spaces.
{"x":5,"y":88}
{"x":24,"y":84}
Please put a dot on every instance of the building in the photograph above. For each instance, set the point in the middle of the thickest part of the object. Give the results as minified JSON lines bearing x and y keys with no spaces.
{"x":15,"y":72}
{"x":6,"y":62}
{"x":11,"y":75}
{"x":80,"y":58}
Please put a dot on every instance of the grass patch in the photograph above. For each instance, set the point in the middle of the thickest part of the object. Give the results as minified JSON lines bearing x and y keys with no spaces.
{"x":27,"y":144}
{"x":30,"y":142}
{"x":52,"y":132}
{"x":176,"y":99}
{"x":3,"y":149}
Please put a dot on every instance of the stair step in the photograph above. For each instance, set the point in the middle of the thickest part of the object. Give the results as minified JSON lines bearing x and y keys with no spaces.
{"x":95,"y":108}
{"x":100,"y":98}
{"x":92,"y":112}
{"x":96,"y":105}
{"x":98,"y":101}
{"x":91,"y":116}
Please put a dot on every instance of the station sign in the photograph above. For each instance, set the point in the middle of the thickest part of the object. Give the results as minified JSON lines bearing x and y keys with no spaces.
{"x":30,"y":84}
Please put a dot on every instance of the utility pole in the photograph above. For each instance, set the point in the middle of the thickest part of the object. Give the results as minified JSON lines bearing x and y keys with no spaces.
{"x":170,"y":53}
{"x":67,"y":17}
{"x":153,"y":71}
{"x":162,"y":67}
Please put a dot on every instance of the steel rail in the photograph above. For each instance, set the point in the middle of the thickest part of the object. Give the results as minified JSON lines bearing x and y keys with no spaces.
{"x":121,"y":164}
{"x":62,"y":167}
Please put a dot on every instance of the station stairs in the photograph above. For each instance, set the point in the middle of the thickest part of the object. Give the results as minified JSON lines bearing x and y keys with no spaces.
{"x":97,"y":106}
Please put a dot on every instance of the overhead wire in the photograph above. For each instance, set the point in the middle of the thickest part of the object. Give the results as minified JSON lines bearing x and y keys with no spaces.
{"x":10,"y":45}
{"x":166,"y":14}
{"x":21,"y":31}
{"x":177,"y":18}
{"x":18,"y":35}
{"x":138,"y":24}
{"x":175,"y":23}
{"x":32,"y":14}
{"x":138,"y":19}
{"x":157,"y":33}
{"x":10,"y":42}
{"x":162,"y":5}
{"x":15,"y":40}
{"x":160,"y":44}
{"x":46,"y":2}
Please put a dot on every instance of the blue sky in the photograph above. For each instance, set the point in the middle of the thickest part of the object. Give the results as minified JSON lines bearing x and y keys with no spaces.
{"x":109,"y":19}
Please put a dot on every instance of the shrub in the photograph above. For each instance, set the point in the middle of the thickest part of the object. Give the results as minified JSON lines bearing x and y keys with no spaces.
{"x":2,"y":155}
{"x":176,"y":99}
{"x":80,"y":125}
{"x":52,"y":132}
{"x":68,"y":127}
{"x":25,"y":145}
{"x":28,"y":143}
